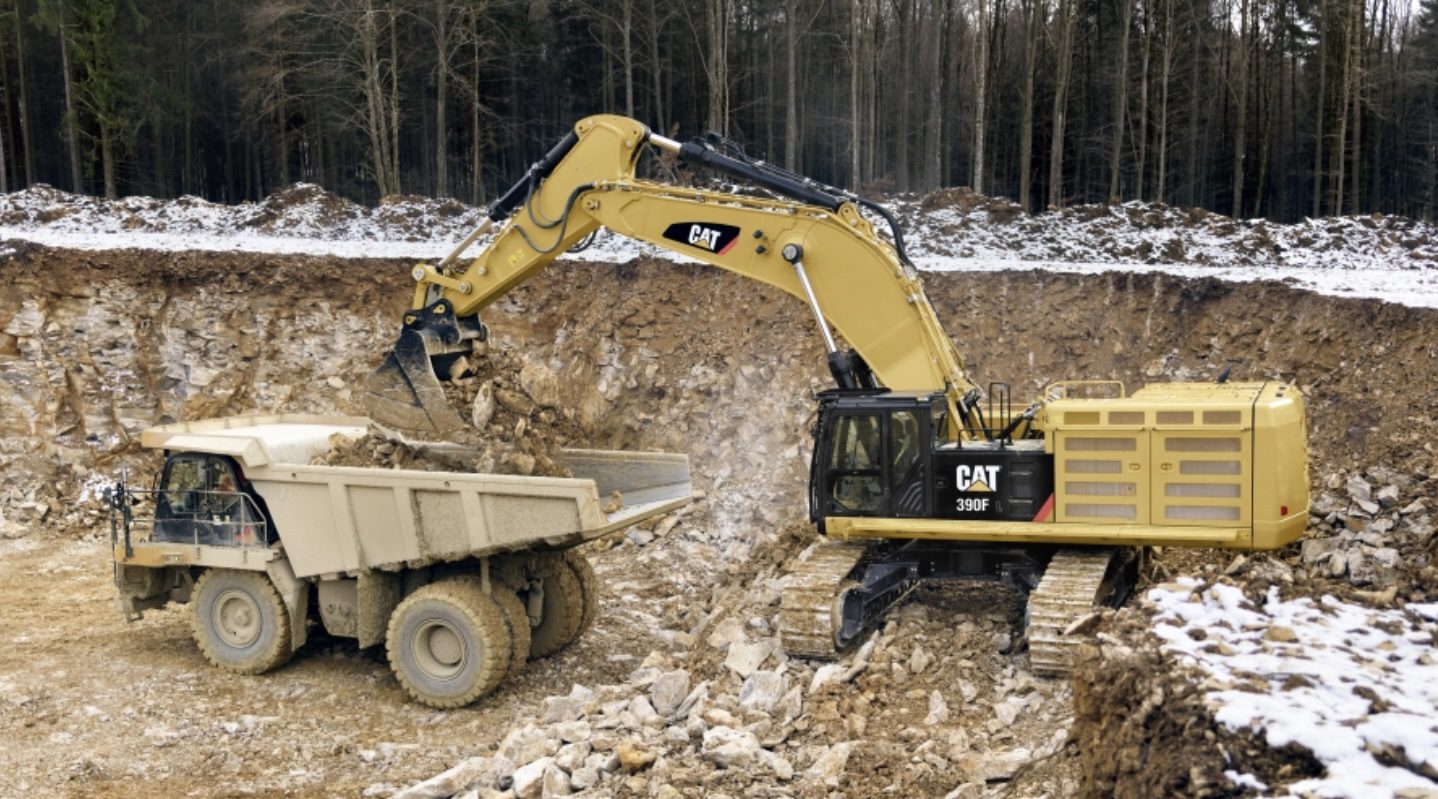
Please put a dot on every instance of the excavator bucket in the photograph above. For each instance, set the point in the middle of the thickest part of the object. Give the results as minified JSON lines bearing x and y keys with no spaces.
{"x":405,"y":392}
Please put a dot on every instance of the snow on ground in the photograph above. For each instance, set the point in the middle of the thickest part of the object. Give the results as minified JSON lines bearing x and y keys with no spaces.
{"x":1356,"y":686}
{"x":1388,"y":258}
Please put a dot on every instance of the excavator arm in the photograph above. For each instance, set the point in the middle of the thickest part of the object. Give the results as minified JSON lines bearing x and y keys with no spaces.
{"x":815,"y":246}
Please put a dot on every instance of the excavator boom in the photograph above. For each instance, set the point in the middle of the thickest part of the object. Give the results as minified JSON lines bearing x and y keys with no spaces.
{"x":815,"y":245}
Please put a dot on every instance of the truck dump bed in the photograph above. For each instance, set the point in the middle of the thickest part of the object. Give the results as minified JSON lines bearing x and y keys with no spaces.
{"x":336,"y":519}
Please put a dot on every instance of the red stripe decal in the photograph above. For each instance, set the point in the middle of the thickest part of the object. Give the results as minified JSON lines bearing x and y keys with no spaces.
{"x":730,"y":245}
{"x":1046,"y":510}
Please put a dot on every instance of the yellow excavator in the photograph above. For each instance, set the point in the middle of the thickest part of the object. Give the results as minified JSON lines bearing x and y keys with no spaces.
{"x":917,"y":473}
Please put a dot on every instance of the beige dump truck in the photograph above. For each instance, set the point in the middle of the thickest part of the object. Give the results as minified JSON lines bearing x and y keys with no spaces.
{"x":462,"y":576}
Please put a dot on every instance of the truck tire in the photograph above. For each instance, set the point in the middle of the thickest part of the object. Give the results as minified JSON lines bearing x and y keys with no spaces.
{"x":588,"y":587}
{"x":448,"y":644}
{"x":563,"y":606}
{"x":516,"y":620}
{"x":240,"y":622}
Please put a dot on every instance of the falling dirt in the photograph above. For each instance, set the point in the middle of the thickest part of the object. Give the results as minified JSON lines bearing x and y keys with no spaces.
{"x":645,"y":355}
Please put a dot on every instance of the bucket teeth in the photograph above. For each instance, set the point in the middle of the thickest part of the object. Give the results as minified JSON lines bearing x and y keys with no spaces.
{"x":1070,"y":589}
{"x":808,"y":607}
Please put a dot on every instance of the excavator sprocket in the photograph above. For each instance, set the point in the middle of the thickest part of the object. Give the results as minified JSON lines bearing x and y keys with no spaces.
{"x":1070,"y":589}
{"x":809,"y":607}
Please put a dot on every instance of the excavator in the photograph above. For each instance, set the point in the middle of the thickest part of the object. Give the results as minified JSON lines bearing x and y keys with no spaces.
{"x":917,"y":473}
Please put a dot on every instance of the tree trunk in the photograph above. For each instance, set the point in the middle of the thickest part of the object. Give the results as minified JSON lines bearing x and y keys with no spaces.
{"x":791,"y":85}
{"x":1036,"y":13}
{"x":656,"y":66}
{"x":107,"y":159}
{"x":72,"y":127}
{"x":901,"y":132}
{"x":1166,"y":72}
{"x":1345,"y":88}
{"x":856,"y":61}
{"x":933,"y":167}
{"x":394,"y":98}
{"x":23,"y":96}
{"x":441,"y":98}
{"x":1140,"y":174}
{"x":476,"y":177}
{"x":1240,"y":83}
{"x":1319,"y":144}
{"x":717,"y":66}
{"x":626,"y":38}
{"x":1064,"y":21}
{"x":1120,"y":101}
{"x":981,"y":91}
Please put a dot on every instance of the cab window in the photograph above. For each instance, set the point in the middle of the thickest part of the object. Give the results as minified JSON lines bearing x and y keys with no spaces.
{"x":903,"y":443}
{"x":856,"y":465}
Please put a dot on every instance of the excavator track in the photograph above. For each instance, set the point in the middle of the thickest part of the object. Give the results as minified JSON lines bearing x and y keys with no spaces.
{"x":809,"y":615}
{"x":1070,"y":589}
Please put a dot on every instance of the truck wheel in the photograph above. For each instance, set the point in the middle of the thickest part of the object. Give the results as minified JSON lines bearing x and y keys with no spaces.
{"x":563,"y":606}
{"x":448,"y":644}
{"x":516,"y":620}
{"x":240,"y":622}
{"x":588,"y":587}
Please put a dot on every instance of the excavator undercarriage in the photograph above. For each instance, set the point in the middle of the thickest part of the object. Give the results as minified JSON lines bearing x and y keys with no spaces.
{"x":917,"y":473}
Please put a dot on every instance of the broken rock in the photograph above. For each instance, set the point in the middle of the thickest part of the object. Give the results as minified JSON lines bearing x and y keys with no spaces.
{"x":762,"y":691}
{"x":635,"y":756}
{"x":529,"y":779}
{"x":669,"y":692}
{"x":745,"y":659}
{"x":730,"y":748}
{"x":829,"y":767}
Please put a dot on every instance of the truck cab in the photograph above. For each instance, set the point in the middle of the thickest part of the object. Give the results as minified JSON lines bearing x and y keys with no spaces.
{"x":205,"y":499}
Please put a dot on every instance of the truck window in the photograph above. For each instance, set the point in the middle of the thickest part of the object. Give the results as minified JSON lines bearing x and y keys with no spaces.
{"x":855,"y":465}
{"x":185,"y":485}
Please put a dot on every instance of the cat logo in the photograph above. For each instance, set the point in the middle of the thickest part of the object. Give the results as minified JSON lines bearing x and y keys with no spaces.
{"x":710,"y":237}
{"x":978,"y":477}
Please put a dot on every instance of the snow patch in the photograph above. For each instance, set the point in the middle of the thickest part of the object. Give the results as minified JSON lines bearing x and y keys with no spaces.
{"x":1356,"y":686}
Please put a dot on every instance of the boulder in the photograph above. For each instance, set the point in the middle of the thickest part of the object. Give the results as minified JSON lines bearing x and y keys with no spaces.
{"x":1358,"y":489}
{"x":635,"y":756}
{"x":762,"y":690}
{"x":669,"y":692}
{"x":529,"y":779}
{"x":730,"y":748}
{"x":745,"y":659}
{"x":938,"y":710}
{"x":828,"y":768}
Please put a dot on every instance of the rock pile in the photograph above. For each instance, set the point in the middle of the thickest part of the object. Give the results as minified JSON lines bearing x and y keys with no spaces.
{"x":1373,"y":527}
{"x":930,"y":707}
{"x":517,"y":428}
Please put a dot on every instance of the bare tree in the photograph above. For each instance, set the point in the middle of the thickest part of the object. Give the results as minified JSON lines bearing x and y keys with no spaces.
{"x":1120,"y":102}
{"x":1063,"y":55}
{"x":1035,"y":12}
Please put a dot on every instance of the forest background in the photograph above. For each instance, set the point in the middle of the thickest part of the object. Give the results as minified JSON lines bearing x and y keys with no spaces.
{"x":1273,"y":108}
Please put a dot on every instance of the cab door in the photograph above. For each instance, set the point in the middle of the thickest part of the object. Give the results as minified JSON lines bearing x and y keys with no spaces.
{"x":854,"y":482}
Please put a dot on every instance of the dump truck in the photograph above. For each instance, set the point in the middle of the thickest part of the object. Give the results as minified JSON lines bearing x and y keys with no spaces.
{"x":462,"y":576}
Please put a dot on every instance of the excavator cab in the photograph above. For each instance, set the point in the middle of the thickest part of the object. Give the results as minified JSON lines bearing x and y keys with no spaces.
{"x":872,"y":453}
{"x":883,"y":454}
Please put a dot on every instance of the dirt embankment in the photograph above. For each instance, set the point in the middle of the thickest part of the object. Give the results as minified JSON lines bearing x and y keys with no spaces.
{"x":647,"y":355}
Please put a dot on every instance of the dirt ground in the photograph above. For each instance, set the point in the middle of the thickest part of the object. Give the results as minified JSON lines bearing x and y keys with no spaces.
{"x":647,"y":355}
